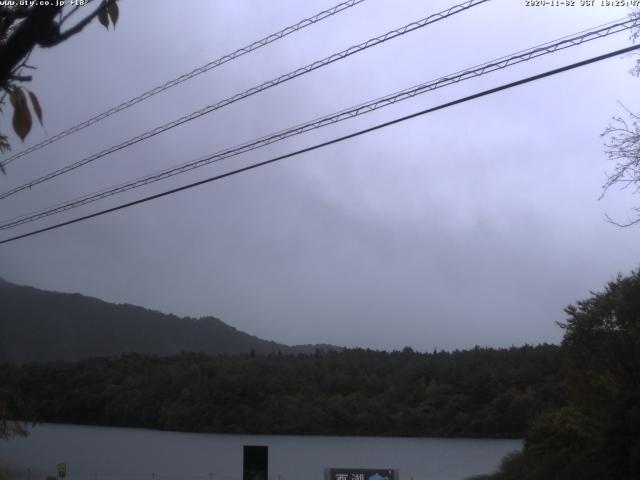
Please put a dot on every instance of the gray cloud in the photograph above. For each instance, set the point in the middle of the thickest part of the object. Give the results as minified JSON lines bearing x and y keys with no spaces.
{"x":474,"y":225}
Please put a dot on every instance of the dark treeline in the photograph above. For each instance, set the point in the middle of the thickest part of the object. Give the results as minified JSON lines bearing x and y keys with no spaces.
{"x":479,"y":392}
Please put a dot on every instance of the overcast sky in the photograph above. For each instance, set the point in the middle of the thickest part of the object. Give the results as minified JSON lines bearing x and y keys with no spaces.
{"x":473,"y":225}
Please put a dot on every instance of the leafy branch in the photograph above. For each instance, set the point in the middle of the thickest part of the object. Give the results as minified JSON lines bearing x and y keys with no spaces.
{"x":22,"y":28}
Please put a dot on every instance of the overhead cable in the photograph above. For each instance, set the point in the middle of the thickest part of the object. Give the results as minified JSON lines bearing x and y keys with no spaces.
{"x":330,"y":142}
{"x":187,"y":76}
{"x":252,"y":91}
{"x":479,"y":70}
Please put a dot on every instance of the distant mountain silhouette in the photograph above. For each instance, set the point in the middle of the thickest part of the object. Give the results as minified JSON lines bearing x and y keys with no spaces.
{"x":38,"y":326}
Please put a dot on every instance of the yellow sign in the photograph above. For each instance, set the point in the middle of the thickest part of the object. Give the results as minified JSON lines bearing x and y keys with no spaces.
{"x":62,"y":470}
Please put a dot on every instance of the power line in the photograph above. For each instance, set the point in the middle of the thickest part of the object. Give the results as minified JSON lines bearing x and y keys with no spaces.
{"x":187,"y":76}
{"x":331,"y":142}
{"x":503,"y":62}
{"x":252,"y":91}
{"x":482,"y":69}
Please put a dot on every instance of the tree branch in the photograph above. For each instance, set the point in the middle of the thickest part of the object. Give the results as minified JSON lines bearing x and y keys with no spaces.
{"x":629,"y":223}
{"x":24,"y":38}
{"x":68,"y":14}
{"x":78,"y":27}
{"x":22,"y":78}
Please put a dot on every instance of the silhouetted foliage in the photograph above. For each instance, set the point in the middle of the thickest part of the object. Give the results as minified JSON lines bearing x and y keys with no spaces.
{"x":26,"y":25}
{"x":597,"y":434}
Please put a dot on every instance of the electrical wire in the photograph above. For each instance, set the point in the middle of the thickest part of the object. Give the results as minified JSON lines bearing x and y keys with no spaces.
{"x":330,"y":142}
{"x":478,"y":70}
{"x":187,"y":76}
{"x":252,"y":91}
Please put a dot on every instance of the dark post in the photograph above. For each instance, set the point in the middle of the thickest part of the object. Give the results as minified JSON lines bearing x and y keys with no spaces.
{"x":255,"y":462}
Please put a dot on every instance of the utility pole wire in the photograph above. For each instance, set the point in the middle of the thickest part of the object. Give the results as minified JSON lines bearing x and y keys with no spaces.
{"x":479,"y":70}
{"x":187,"y":76}
{"x":331,"y":142}
{"x":252,"y":91}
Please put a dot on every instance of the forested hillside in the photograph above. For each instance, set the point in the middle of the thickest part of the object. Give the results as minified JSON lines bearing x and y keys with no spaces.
{"x":480,"y":392}
{"x":37,"y":325}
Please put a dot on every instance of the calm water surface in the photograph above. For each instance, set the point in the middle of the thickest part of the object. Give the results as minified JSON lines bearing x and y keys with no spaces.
{"x":101,"y":453}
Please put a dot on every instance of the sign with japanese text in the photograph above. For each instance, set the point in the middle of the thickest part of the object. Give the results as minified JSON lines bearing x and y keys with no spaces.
{"x":361,"y":474}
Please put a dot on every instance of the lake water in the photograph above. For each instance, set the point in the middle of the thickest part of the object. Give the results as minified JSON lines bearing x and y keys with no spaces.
{"x":101,"y":453}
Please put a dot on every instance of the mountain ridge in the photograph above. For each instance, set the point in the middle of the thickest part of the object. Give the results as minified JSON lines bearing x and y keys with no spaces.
{"x":41,"y":325}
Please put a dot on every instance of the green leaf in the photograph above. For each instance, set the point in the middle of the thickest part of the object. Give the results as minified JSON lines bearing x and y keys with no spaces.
{"x":114,"y":13}
{"x":21,"y":114}
{"x":103,"y":18}
{"x":36,"y":106}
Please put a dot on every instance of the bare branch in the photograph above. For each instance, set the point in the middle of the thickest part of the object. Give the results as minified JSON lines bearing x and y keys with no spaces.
{"x":635,"y":34}
{"x":630,"y":222}
{"x":623,"y":147}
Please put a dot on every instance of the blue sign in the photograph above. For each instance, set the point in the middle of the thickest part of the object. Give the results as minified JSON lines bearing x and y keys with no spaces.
{"x":362,"y":474}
